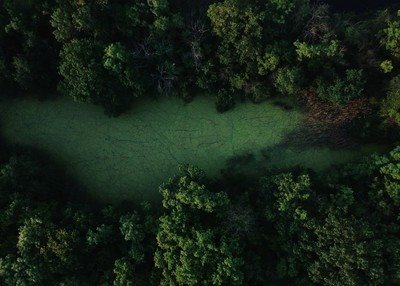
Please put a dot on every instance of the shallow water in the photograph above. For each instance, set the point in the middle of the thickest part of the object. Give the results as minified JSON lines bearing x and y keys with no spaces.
{"x":128,"y":157}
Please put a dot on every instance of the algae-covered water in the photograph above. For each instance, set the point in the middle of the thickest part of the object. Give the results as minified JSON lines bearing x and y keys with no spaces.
{"x":128,"y":157}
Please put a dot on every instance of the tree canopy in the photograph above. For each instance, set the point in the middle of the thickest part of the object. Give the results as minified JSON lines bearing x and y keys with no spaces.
{"x":110,"y":52}
{"x":337,"y":228}
{"x":286,"y":227}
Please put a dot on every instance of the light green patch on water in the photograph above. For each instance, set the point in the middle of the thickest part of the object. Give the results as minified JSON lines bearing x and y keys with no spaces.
{"x":128,"y":157}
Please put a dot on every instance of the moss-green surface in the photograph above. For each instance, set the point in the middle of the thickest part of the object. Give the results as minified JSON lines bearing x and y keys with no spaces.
{"x":129,"y":156}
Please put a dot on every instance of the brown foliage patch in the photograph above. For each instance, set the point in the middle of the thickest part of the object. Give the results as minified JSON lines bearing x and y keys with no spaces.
{"x":326,"y":123}
{"x":322,"y":113}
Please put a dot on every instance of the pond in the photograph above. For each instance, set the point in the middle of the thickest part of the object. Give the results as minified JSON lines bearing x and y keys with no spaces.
{"x":128,"y":157}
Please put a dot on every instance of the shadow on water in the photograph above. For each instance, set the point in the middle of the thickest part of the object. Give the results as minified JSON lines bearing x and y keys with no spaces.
{"x":129,"y":157}
{"x":301,"y":150}
{"x":237,"y":161}
{"x":243,"y":171}
{"x":63,"y":187}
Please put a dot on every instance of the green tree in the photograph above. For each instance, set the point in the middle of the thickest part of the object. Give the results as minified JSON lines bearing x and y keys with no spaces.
{"x":250,"y":45}
{"x":325,"y":49}
{"x":190,"y":251}
{"x":43,"y":253}
{"x":82,"y":19}
{"x":118,"y":61}
{"x":83,"y":75}
{"x":287,"y":198}
{"x":340,"y":235}
{"x":288,"y":81}
{"x":46,"y":240}
{"x":391,"y":104}
{"x":342,"y":90}
{"x":391,"y":36}
{"x":85,"y":79}
{"x":28,"y":49}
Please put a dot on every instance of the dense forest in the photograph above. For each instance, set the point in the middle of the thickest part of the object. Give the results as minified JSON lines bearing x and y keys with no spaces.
{"x":109,"y":52}
{"x":287,"y":227}
{"x":337,"y":228}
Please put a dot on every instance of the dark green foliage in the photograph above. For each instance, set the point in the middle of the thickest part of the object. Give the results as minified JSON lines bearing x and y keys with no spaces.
{"x":291,"y":228}
{"x":109,"y":52}
{"x":224,"y":101}
{"x":251,"y":47}
{"x":118,"y":61}
{"x":340,"y":228}
{"x":82,"y":71}
{"x":391,"y":36}
{"x":48,"y":241}
{"x":391,"y":104}
{"x":192,"y":251}
{"x":373,"y":129}
{"x":147,"y":47}
{"x":86,"y":79}
{"x":342,"y":91}
{"x":342,"y":235}
{"x":28,"y":52}
{"x":288,"y":81}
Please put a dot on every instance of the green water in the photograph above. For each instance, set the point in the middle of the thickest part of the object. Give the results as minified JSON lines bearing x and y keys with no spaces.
{"x":128,"y":157}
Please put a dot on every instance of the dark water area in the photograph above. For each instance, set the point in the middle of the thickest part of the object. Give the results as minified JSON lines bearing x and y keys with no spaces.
{"x":359,"y":6}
